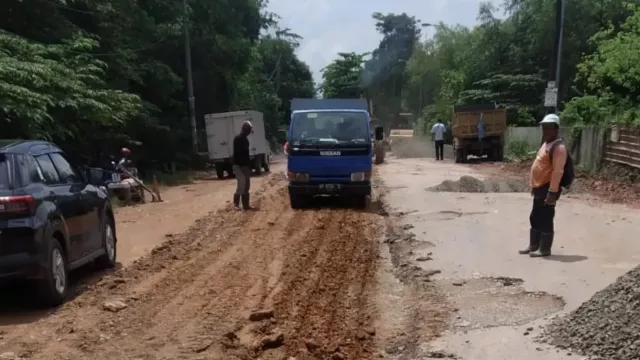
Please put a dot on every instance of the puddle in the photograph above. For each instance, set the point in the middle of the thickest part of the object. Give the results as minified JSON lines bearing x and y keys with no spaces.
{"x":502,"y":301}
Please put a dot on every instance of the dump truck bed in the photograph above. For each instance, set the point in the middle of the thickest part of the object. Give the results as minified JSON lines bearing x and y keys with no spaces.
{"x":464,"y":122}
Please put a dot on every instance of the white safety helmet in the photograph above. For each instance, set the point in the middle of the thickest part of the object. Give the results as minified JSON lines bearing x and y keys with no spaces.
{"x":551,"y":119}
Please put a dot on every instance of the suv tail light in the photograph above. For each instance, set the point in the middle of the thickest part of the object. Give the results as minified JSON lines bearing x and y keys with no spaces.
{"x":17,"y":205}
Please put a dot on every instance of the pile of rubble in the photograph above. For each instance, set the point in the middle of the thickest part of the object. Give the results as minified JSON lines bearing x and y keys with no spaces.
{"x":605,"y":327}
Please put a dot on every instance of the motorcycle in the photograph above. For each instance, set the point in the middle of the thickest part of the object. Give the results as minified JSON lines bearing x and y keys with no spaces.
{"x":119,"y":181}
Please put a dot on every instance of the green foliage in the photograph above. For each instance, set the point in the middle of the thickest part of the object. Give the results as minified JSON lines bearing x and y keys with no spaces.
{"x":39,"y":81}
{"x":610,"y":76}
{"x":97,"y":75}
{"x":519,"y":149}
{"x":342,"y":78}
{"x":506,"y":61}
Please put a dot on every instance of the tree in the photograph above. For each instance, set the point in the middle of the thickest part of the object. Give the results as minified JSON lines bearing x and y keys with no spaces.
{"x":384,"y":74}
{"x":342,"y":78}
{"x":506,"y":61}
{"x":115,"y":69}
{"x":610,"y":76}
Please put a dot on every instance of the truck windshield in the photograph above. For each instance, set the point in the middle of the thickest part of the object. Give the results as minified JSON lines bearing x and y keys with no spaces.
{"x":326,"y":127}
{"x":4,"y":172}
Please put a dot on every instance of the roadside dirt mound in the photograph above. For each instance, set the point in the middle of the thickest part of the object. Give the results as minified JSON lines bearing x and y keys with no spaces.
{"x":469,"y":184}
{"x":268,"y":284}
{"x":613,"y":183}
{"x":605,"y":327}
{"x":413,"y":147}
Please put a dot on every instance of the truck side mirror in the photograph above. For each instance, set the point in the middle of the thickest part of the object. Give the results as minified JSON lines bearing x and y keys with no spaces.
{"x":379,"y":133}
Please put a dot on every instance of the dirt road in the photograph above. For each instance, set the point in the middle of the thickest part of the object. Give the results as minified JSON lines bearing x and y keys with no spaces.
{"x":434,"y":258}
{"x":310,"y":272}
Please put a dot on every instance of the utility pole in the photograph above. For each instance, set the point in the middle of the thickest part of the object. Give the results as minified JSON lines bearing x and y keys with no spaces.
{"x":556,"y":61}
{"x":192,"y":99}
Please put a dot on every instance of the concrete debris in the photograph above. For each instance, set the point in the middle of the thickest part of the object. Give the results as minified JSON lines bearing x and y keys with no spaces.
{"x":114,"y":305}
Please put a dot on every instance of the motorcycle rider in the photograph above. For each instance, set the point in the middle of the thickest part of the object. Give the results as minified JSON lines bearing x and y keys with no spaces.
{"x":124,"y":163}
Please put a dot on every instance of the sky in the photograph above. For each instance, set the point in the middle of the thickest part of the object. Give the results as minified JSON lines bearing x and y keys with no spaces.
{"x":332,"y":26}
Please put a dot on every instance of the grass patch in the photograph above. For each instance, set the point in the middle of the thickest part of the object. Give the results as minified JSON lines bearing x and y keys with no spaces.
{"x":520,"y":150}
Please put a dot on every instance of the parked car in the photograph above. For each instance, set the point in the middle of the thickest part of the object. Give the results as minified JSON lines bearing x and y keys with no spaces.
{"x":54,"y":218}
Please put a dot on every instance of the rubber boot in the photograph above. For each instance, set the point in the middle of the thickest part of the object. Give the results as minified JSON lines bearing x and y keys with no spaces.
{"x":245,"y":202}
{"x":534,"y":242}
{"x":236,"y":201}
{"x":546,"y":240}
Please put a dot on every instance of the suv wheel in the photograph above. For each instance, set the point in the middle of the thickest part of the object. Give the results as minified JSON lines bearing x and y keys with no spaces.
{"x":108,"y":259}
{"x":55,"y":285}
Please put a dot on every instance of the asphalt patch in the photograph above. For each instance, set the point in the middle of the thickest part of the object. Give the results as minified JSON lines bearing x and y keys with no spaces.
{"x":490,"y":302}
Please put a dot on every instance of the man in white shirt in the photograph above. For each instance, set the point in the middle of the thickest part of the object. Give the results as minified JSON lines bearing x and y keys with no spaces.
{"x":438,"y":131}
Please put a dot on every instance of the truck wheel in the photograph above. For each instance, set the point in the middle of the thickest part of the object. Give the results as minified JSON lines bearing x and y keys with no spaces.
{"x":500,"y":154}
{"x":257,"y":165}
{"x":461,"y":155}
{"x":265,"y":164}
{"x":219,"y":172}
{"x":297,"y":202}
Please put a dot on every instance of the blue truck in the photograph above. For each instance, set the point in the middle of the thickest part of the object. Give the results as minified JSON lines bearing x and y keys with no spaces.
{"x":330,"y":150}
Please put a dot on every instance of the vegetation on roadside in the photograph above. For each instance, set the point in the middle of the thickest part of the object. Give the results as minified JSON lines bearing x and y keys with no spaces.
{"x":519,"y":150}
{"x":97,"y":75}
{"x":504,"y":60}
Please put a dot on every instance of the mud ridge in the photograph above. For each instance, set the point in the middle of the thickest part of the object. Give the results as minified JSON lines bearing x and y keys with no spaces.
{"x":429,"y":310}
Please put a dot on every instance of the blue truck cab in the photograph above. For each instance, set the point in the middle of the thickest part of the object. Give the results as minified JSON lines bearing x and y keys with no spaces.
{"x":330,"y":150}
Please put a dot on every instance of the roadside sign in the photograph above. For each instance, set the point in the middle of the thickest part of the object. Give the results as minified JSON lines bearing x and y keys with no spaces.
{"x":551,"y":97}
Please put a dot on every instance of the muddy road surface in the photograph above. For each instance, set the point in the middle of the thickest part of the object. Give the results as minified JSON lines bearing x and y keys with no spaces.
{"x":271,"y":284}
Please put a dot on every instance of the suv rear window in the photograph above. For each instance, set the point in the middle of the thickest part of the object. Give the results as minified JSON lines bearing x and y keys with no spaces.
{"x":4,"y":173}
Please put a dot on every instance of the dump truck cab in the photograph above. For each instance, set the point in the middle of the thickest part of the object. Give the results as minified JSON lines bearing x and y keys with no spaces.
{"x":478,"y":130}
{"x":330,"y":150}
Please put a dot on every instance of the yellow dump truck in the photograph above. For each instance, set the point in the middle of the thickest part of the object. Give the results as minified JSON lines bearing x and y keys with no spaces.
{"x":478,"y":130}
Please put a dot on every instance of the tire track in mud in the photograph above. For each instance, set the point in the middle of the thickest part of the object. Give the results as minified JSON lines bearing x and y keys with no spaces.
{"x":191,"y":298}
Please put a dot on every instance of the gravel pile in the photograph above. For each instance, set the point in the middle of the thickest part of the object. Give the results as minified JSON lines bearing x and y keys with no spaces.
{"x":606,"y":327}
{"x":470,"y":184}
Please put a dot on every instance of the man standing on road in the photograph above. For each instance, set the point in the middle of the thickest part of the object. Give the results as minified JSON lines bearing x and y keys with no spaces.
{"x":438,"y":131}
{"x":546,"y":175}
{"x":242,"y":166}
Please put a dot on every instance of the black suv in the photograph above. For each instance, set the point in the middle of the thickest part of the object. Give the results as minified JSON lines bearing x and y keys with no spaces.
{"x":53,"y":218}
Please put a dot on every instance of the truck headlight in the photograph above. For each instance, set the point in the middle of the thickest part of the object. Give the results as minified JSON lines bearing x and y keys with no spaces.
{"x":360,"y":176}
{"x":300,"y":177}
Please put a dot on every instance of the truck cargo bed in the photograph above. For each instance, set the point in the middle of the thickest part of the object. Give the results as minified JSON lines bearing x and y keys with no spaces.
{"x":465,"y":123}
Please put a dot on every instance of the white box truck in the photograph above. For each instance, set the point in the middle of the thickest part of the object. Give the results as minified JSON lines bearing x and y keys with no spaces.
{"x":221,"y":128}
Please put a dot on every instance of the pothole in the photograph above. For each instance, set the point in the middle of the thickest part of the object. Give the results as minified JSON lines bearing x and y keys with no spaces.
{"x":501,"y":301}
{"x":450,"y":215}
